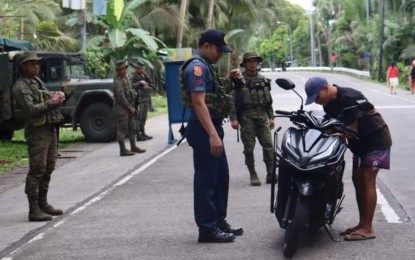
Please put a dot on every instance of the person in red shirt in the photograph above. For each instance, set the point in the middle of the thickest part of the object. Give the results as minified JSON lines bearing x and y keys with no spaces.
{"x":392,"y":77}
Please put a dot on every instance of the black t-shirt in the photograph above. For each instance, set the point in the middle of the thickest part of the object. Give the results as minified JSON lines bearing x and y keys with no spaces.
{"x":372,"y":130}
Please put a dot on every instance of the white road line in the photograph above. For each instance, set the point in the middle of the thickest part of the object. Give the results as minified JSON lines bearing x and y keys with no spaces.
{"x":395,"y":107}
{"x":38,"y":237}
{"x":387,"y":210}
{"x":99,"y":196}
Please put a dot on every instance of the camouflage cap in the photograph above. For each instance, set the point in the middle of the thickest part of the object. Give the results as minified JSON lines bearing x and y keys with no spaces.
{"x":137,"y":64}
{"x":121,"y":64}
{"x":27,"y":56}
{"x":250,"y":55}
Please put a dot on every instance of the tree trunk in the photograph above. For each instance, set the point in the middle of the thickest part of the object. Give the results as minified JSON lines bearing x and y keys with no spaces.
{"x":21,"y":28}
{"x":183,"y":8}
{"x":210,"y":14}
{"x":320,"y":57}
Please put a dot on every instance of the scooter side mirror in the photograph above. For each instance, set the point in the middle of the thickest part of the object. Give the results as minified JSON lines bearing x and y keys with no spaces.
{"x":285,"y":83}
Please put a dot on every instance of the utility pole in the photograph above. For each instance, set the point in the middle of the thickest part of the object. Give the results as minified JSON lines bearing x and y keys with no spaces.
{"x":82,"y":23}
{"x":312,"y":44}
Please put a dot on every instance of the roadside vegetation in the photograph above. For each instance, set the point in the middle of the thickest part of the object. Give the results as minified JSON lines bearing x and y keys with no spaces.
{"x":14,"y":152}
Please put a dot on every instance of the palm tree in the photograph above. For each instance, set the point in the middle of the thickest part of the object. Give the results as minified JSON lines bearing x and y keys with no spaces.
{"x":31,"y":12}
{"x":180,"y":31}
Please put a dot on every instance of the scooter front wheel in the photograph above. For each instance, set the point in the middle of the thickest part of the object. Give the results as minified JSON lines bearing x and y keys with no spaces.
{"x":297,"y":224}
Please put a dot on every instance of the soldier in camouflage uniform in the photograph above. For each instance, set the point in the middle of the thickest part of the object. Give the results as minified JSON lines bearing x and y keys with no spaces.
{"x":143,"y":85}
{"x":254,"y":115}
{"x":124,"y":111}
{"x":41,"y":110}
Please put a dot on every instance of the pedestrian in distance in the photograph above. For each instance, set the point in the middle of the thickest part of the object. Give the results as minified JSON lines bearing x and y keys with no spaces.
{"x":412,"y":77}
{"x":41,"y":110}
{"x":371,"y":150}
{"x":144,"y":86}
{"x":204,"y":94}
{"x":124,"y":110}
{"x":255,"y":115}
{"x":392,"y":76}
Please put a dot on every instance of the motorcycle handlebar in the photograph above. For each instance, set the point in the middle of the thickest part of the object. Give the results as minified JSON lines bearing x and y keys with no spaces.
{"x":281,"y":112}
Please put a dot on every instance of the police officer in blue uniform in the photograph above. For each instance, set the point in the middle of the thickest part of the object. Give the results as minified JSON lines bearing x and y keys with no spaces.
{"x":203,"y":92}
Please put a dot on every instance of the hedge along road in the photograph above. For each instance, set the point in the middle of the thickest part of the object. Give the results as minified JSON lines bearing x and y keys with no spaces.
{"x":141,"y":207}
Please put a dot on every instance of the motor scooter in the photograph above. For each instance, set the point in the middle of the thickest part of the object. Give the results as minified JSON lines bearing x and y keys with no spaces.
{"x":310,"y":163}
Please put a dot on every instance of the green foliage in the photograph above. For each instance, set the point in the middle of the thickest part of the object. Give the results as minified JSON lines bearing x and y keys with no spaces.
{"x":96,"y":63}
{"x":160,"y":104}
{"x":49,"y":37}
{"x":276,"y":48}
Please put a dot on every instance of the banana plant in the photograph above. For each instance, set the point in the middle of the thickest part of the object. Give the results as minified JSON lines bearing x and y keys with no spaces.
{"x":123,"y":32}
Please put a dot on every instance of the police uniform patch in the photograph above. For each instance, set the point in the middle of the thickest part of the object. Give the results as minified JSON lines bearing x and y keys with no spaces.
{"x":198,"y":81}
{"x":197,"y":71}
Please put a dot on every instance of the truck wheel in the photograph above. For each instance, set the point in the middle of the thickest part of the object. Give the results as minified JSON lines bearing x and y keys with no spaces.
{"x":6,"y":134}
{"x":97,"y":123}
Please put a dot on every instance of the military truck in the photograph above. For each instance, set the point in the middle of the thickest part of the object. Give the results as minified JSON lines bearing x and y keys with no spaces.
{"x":88,"y":102}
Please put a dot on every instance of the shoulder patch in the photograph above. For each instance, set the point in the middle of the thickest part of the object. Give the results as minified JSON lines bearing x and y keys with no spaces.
{"x":197,"y":70}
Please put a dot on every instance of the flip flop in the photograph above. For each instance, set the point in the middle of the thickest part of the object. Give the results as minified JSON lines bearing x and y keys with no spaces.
{"x":357,"y":237}
{"x":347,"y":231}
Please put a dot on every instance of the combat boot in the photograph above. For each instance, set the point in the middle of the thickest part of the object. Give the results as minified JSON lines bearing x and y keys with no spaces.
{"x":147,"y":136}
{"x":45,"y":206}
{"x":140,"y":137}
{"x":270,"y":172}
{"x":134,"y":147}
{"x":137,"y":149}
{"x":35,"y":213}
{"x":255,"y":180}
{"x":253,"y":176}
{"x":124,"y":151}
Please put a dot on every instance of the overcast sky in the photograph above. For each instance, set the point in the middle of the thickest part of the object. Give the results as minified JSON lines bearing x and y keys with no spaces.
{"x":306,"y":4}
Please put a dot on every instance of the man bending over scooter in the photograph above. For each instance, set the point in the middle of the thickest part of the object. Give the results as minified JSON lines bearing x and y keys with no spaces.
{"x":371,"y":150}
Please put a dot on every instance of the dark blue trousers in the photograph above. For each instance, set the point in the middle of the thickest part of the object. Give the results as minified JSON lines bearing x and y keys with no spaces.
{"x":211,"y":178}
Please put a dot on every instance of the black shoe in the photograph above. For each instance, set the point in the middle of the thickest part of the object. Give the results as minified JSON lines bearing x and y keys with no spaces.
{"x":237,"y":231}
{"x":147,"y":137}
{"x":269,"y":179}
{"x":215,"y":236}
{"x":141,"y":138}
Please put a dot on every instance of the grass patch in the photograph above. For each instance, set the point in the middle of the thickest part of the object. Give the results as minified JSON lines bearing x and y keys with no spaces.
{"x":14,"y":152}
{"x":159,"y":102}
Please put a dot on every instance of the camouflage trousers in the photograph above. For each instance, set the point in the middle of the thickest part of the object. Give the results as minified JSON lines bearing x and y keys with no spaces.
{"x":256,"y":126}
{"x":125,"y":125}
{"x":42,"y":150}
{"x":142,"y":115}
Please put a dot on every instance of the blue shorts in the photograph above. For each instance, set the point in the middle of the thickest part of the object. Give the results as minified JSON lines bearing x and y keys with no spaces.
{"x":379,"y":159}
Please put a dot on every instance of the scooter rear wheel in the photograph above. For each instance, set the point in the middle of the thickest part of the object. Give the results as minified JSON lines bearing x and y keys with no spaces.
{"x":297,"y":225}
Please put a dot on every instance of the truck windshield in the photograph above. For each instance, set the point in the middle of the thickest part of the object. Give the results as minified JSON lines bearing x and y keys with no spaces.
{"x":75,"y":70}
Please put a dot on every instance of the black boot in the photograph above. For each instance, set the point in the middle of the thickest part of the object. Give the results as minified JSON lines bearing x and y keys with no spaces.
{"x":140,"y":137}
{"x":35,"y":213}
{"x":45,"y":206}
{"x":147,"y":136}
{"x":270,"y":172}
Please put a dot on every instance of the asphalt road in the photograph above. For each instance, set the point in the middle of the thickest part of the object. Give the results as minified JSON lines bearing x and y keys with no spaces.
{"x":141,"y":207}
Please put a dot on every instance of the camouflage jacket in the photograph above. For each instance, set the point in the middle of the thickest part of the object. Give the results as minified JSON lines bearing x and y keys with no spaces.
{"x":124,"y":96}
{"x":253,"y":94}
{"x":143,"y":94}
{"x":32,"y":96}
